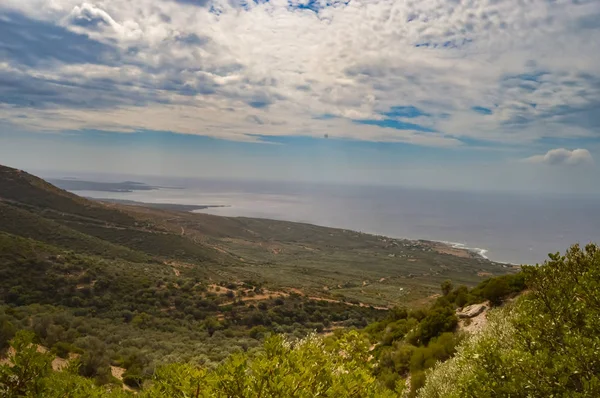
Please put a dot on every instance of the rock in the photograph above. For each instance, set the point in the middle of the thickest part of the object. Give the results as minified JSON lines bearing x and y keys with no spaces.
{"x":471,"y":311}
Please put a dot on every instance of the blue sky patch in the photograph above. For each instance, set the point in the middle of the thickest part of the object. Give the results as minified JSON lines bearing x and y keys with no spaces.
{"x":482,"y":110}
{"x":259,"y":103}
{"x":405,"y":111}
{"x":325,"y":116}
{"x":395,"y":124}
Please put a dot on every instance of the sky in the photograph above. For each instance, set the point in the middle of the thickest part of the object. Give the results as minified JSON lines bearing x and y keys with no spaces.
{"x":453,"y":94}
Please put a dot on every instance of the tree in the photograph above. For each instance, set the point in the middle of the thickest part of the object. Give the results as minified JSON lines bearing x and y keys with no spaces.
{"x":134,"y":363}
{"x":30,"y":374}
{"x":496,"y":290}
{"x":461,"y":296}
{"x":7,"y":332}
{"x":67,"y":383}
{"x":94,"y":362}
{"x":446,"y":287}
{"x":437,"y":321}
{"x":177,"y":381}
{"x":212,"y":325}
{"x":24,"y":377}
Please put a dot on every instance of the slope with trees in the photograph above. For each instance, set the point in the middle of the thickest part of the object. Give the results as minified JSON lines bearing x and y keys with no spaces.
{"x":544,"y":344}
{"x":156,"y":293}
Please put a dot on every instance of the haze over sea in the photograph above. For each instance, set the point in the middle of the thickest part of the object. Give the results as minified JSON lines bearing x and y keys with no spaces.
{"x":514,"y":228}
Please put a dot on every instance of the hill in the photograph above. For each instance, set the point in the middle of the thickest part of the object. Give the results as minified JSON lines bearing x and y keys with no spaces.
{"x":328,"y":262}
{"x":33,"y":208}
{"x":318,"y":261}
{"x":136,"y":287}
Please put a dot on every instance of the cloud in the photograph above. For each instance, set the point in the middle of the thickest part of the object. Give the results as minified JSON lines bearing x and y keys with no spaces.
{"x":430,"y":72}
{"x":28,"y":42}
{"x":562,"y":156}
{"x":87,"y":15}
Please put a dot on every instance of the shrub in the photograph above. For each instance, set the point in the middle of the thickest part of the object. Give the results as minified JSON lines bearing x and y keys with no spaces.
{"x":284,"y":368}
{"x":446,"y":287}
{"x":437,"y":321}
{"x":63,"y":349}
{"x":26,"y":376}
{"x":545,"y":344}
{"x":7,"y":331}
{"x":496,"y":290}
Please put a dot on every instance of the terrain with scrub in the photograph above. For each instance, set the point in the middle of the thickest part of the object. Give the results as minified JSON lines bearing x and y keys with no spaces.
{"x":134,"y":287}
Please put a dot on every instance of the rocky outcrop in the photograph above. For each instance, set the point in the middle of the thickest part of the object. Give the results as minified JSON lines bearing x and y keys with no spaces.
{"x":471,"y":311}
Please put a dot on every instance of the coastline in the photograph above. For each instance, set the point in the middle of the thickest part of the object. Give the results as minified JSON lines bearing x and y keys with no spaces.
{"x":479,"y":252}
{"x":457,"y":245}
{"x":452,"y":247}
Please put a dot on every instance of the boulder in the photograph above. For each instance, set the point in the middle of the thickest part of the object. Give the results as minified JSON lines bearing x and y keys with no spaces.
{"x":471,"y":311}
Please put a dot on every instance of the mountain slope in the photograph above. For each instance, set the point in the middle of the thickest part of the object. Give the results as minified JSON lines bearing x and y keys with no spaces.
{"x":32,"y":208}
{"x":28,"y":190}
{"x":20,"y":222}
{"x":137,"y":286}
{"x":328,"y":262}
{"x":336,"y":264}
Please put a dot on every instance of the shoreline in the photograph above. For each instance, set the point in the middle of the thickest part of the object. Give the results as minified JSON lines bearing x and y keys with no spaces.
{"x":457,"y":245}
{"x":478,"y":252}
{"x":157,"y":205}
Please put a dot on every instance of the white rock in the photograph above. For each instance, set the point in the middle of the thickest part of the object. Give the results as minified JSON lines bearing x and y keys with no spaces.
{"x":471,"y":311}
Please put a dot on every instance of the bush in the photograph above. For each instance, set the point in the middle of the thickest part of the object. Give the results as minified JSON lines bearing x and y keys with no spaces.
{"x":417,"y":380}
{"x":133,"y":379}
{"x":545,"y":344}
{"x":283,"y":369}
{"x":257,"y":332}
{"x":437,"y":321}
{"x":495,"y":291}
{"x":94,"y":362}
{"x":7,"y":332}
{"x":446,"y":287}
{"x":26,"y":377}
{"x":63,"y":349}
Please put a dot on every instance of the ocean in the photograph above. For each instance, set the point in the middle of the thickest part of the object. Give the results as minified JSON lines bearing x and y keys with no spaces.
{"x":511,"y":228}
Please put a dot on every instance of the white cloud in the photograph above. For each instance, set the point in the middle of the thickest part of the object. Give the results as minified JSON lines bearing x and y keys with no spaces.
{"x":562,"y":156}
{"x":531,"y":63}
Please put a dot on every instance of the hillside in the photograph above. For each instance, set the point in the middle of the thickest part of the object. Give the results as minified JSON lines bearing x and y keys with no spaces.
{"x":33,"y":208}
{"x":325,"y":261}
{"x":136,"y":287}
{"x":319,"y":261}
{"x":34,"y":193}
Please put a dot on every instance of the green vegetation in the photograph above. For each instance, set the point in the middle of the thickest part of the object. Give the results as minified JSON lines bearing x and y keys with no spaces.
{"x":68,"y":297}
{"x":23,"y":223}
{"x":325,"y":262}
{"x":29,"y":191}
{"x":190,"y":305}
{"x":408,"y":342}
{"x":302,"y":368}
{"x":545,"y":344}
{"x":495,"y":290}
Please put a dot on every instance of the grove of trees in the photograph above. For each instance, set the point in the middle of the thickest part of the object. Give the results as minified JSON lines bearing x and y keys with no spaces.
{"x":542,"y":342}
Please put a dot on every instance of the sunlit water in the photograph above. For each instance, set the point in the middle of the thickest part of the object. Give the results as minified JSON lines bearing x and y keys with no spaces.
{"x":507,"y":228}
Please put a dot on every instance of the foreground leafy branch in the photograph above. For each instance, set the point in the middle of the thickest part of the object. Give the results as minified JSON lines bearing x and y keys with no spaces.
{"x":303,"y":368}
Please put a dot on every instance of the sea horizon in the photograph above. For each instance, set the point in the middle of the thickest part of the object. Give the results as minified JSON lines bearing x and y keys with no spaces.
{"x":503,"y":227}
